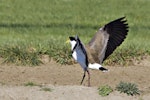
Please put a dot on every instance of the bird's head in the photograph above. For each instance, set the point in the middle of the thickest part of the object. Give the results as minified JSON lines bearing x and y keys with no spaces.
{"x":73,"y":41}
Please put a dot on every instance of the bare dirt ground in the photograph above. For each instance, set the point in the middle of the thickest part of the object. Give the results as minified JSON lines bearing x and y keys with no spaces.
{"x":64,"y":80}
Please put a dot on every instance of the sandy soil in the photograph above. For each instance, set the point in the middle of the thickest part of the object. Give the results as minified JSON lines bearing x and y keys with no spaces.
{"x":65,"y":82}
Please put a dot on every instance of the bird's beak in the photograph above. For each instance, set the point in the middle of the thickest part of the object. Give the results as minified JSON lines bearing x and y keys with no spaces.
{"x":67,"y":41}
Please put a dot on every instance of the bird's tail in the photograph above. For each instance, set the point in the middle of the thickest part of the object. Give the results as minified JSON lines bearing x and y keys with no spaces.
{"x":103,"y":69}
{"x":98,"y":67}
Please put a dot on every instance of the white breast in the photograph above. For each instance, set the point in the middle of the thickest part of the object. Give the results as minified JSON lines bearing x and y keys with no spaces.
{"x":74,"y":55}
{"x":73,"y":43}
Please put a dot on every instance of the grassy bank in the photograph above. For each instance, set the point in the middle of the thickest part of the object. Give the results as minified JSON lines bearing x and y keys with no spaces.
{"x":43,"y":27}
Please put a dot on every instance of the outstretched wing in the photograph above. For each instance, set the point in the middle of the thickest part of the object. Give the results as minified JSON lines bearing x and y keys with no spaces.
{"x":108,"y":38}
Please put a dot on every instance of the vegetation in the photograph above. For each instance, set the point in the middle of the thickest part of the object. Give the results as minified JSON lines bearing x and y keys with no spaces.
{"x":29,"y":29}
{"x":20,"y":55}
{"x":104,"y":90}
{"x":128,"y":88}
{"x":30,"y":84}
{"x":46,"y":89}
{"x":42,"y":88}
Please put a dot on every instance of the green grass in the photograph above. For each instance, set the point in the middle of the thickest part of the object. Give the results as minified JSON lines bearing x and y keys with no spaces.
{"x":30,"y":84}
{"x":105,"y":90}
{"x":42,"y":88}
{"x":128,"y":88}
{"x":46,"y":89}
{"x":45,"y":26}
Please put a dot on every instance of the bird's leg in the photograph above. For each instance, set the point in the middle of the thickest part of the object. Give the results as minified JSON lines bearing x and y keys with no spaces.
{"x":83,"y":77}
{"x":88,"y":78}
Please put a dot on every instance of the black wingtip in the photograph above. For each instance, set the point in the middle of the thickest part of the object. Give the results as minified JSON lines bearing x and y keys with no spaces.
{"x":121,"y":21}
{"x":122,"y":18}
{"x":103,"y":69}
{"x":117,"y":30}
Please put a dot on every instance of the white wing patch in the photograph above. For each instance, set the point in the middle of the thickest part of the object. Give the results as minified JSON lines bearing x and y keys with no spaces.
{"x":94,"y":66}
{"x":97,"y":67}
